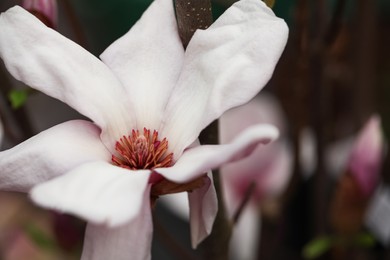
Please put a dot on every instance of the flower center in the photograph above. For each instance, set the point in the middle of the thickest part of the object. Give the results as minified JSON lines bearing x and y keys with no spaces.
{"x":142,"y":151}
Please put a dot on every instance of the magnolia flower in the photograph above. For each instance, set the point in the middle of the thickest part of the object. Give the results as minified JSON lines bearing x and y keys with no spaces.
{"x":268,"y":167}
{"x":148,"y":100}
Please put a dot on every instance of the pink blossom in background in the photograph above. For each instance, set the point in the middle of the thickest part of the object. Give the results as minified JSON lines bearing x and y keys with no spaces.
{"x":269,"y":167}
{"x":366,"y":156}
{"x":145,"y":99}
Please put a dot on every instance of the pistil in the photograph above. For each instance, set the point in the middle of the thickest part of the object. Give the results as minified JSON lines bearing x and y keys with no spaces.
{"x":142,"y":151}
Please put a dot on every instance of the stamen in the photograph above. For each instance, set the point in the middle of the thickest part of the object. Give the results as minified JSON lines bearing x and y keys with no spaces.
{"x":142,"y":151}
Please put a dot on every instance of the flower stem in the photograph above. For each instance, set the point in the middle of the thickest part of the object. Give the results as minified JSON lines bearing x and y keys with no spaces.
{"x":216,"y":245}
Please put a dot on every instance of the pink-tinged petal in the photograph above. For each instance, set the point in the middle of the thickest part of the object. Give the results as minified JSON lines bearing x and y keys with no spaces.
{"x":50,"y":153}
{"x":148,"y":60}
{"x":196,"y":161}
{"x":48,"y":62}
{"x":203,"y":210}
{"x":367,"y":155}
{"x":225,"y":66}
{"x":98,"y":192}
{"x":131,"y":241}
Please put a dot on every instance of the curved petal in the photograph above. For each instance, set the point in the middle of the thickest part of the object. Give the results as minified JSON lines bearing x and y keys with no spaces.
{"x":148,"y":60}
{"x":48,"y":62}
{"x":225,"y":66}
{"x":203,"y":210}
{"x":98,"y":192}
{"x":131,"y":241}
{"x":196,"y":161}
{"x":50,"y":153}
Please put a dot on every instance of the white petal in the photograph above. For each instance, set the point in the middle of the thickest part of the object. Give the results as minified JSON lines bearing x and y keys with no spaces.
{"x":196,"y":161}
{"x":50,"y":153}
{"x":203,"y":210}
{"x":225,"y":66}
{"x":131,"y":241}
{"x":49,"y":62}
{"x":148,"y":60}
{"x":98,"y":192}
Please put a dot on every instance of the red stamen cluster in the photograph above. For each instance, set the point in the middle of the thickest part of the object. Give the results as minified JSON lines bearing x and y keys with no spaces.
{"x":142,"y":151}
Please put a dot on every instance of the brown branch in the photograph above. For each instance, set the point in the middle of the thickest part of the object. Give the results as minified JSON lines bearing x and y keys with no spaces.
{"x":192,"y":15}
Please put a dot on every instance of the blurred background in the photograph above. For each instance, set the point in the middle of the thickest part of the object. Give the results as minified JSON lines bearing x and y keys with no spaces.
{"x":326,"y":195}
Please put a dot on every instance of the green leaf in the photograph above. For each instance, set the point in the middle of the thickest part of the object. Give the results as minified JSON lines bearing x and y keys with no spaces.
{"x":317,"y":247}
{"x":365,"y":240}
{"x":18,"y":97}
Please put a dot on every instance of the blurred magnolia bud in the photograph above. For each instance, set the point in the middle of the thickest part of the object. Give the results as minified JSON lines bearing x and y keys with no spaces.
{"x":366,"y":156}
{"x":44,"y":10}
{"x":359,"y":181}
